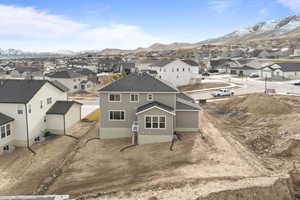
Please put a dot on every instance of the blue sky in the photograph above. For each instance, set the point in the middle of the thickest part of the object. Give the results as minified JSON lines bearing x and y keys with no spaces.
{"x":50,"y":25}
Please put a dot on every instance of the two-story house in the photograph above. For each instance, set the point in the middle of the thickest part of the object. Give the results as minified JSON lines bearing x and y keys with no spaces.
{"x":176,"y":71}
{"x":74,"y":81}
{"x":27,"y":111}
{"x":145,"y":108}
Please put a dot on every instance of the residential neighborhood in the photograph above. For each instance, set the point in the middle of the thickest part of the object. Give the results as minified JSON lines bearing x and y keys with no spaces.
{"x":144,"y":100}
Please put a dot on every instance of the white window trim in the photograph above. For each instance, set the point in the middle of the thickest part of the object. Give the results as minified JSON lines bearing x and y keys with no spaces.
{"x":158,"y":122}
{"x":134,"y":94}
{"x":114,"y":94}
{"x":148,"y":97}
{"x":117,"y":120}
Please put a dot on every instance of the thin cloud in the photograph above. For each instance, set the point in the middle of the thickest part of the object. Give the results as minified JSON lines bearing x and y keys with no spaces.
{"x":30,"y":29}
{"x":291,"y":4}
{"x":219,"y":5}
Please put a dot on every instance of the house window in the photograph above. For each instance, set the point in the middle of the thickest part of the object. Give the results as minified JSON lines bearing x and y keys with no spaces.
{"x":162,"y":122}
{"x":183,"y":69}
{"x":134,"y":98}
{"x":75,"y":86}
{"x":116,"y":115}
{"x":114,"y":97}
{"x":172,"y":70}
{"x":8,"y":131}
{"x":41,"y":104}
{"x":155,"y":122}
{"x":74,"y":80}
{"x":178,"y":69}
{"x":149,"y":97}
{"x":3,"y":132}
{"x":189,"y":69}
{"x":148,"y":121}
{"x":49,"y":100}
{"x":20,"y":110}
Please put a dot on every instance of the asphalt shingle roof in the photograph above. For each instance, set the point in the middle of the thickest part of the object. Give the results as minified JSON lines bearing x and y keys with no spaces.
{"x":20,"y":91}
{"x":64,"y":74}
{"x":183,"y":106}
{"x":4,"y":119}
{"x":185,"y":97}
{"x":61,"y":107}
{"x":162,"y":62}
{"x":289,"y":67}
{"x":153,"y":104}
{"x":190,"y":62}
{"x":138,"y":82}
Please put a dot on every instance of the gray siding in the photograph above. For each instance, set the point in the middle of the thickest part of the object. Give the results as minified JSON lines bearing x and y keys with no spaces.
{"x":169,"y":123}
{"x":187,"y":120}
{"x":129,"y":107}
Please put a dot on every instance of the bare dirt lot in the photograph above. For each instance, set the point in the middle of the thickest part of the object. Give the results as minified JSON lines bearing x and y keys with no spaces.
{"x":90,"y":169}
{"x":267,"y":126}
{"x":200,"y":86}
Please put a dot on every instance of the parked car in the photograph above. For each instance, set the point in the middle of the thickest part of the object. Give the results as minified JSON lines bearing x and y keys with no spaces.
{"x":213,"y":71}
{"x":253,"y":75}
{"x":223,"y":92}
{"x":297,"y":83}
{"x":205,"y":74}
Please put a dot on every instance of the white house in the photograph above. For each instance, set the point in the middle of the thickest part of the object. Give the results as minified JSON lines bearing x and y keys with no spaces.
{"x":285,"y":71}
{"x":176,"y":71}
{"x":23,"y":106}
{"x":72,"y":80}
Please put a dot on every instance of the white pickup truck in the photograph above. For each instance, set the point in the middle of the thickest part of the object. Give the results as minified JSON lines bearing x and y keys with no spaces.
{"x":223,"y":92}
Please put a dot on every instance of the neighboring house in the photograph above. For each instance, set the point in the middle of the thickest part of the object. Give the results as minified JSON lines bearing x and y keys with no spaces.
{"x":146,"y":109}
{"x":246,"y":68}
{"x":24,"y":106}
{"x":26,"y":72}
{"x":175,"y":71}
{"x":72,"y":80}
{"x":92,"y":76}
{"x":285,"y":71}
{"x":3,"y":73}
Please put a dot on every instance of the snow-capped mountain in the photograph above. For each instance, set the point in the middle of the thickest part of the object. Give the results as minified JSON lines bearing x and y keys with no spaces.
{"x":271,"y":28}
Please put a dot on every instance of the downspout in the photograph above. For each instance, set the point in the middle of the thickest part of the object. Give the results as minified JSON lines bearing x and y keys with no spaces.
{"x":27,"y":130}
{"x":64,"y":124}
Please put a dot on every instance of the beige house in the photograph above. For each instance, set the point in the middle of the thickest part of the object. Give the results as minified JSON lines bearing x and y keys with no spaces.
{"x":72,"y":80}
{"x":146,"y":109}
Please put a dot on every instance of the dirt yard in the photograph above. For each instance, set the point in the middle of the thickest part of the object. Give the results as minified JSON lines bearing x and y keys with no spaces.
{"x":266,"y":125}
{"x":87,"y":169}
{"x":200,"y":86}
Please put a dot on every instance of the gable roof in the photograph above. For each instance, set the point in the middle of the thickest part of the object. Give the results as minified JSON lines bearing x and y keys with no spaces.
{"x":64,"y":74}
{"x":184,"y":106}
{"x":27,"y":69}
{"x":289,"y":67}
{"x":60,"y":85}
{"x":154,"y":104}
{"x":61,"y":107}
{"x":138,"y":82}
{"x":85,"y":71}
{"x":19,"y":90}
{"x":161,"y":62}
{"x":190,"y":62}
{"x":4,"y":119}
{"x":185,"y":97}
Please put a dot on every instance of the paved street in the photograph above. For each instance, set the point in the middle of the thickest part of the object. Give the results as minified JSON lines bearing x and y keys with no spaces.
{"x":248,"y":86}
